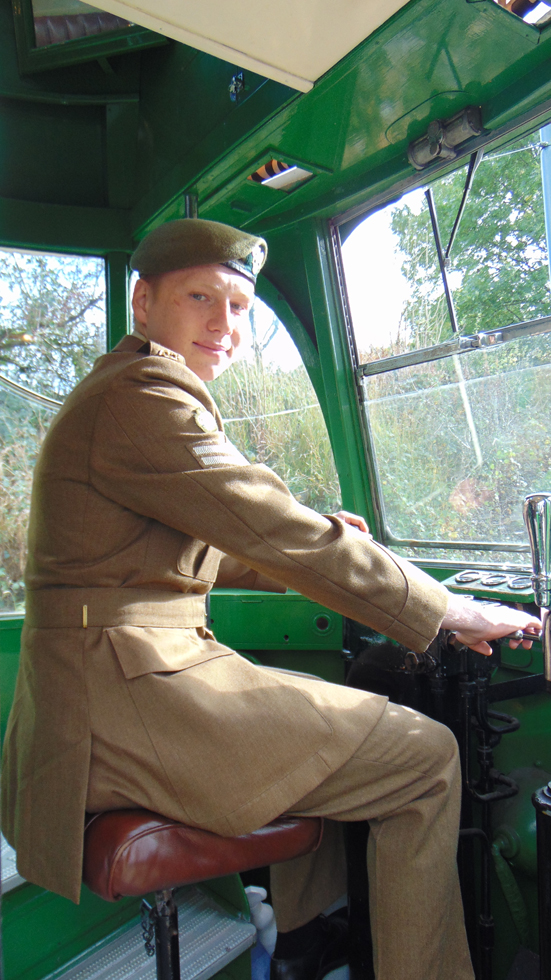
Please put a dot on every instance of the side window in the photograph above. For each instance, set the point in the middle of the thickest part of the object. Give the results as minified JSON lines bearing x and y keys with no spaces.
{"x":52,"y":328}
{"x":272,"y":414}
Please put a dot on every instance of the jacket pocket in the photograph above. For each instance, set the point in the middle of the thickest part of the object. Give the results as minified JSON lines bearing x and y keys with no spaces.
{"x":158,"y":649}
{"x":199,"y":561}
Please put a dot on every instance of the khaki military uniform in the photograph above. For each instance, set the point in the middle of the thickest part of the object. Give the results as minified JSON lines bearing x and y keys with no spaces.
{"x":123,"y":696}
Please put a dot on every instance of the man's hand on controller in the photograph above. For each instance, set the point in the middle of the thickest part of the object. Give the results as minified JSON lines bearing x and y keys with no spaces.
{"x":475,"y":623}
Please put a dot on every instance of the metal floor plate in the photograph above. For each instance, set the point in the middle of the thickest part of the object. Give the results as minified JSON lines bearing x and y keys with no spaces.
{"x":209,"y":939}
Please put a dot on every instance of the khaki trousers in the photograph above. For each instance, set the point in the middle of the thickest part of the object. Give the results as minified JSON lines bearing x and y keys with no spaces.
{"x":405,"y":780}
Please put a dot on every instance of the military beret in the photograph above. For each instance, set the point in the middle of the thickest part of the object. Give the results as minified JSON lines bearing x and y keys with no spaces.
{"x":186,"y":242}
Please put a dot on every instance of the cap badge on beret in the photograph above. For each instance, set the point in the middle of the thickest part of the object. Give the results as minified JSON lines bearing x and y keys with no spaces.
{"x":258,"y":255}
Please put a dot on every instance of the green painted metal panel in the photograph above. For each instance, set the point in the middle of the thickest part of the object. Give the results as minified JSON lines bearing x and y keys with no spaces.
{"x":176,"y":80}
{"x":285,"y":270}
{"x":338,"y":377}
{"x":531,"y":744}
{"x":271,"y":621}
{"x":121,"y":139}
{"x":52,"y":154}
{"x":277,"y":301}
{"x":58,"y":227}
{"x":192,"y":141}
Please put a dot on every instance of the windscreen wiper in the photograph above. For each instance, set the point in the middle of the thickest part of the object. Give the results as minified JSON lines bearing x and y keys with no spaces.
{"x":443,"y":257}
{"x":473,"y":167}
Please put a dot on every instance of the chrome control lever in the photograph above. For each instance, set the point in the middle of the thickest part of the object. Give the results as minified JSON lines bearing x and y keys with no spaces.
{"x":537,"y":516}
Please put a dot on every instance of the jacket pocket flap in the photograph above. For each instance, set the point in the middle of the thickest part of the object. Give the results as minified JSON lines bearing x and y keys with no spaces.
{"x":158,"y":649}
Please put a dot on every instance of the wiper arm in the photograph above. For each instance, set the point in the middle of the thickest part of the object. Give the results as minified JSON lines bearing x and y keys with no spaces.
{"x":473,"y":167}
{"x":453,"y":320}
{"x":441,"y":259}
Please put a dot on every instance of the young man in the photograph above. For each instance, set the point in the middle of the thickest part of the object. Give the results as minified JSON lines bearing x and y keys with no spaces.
{"x":124,"y":698}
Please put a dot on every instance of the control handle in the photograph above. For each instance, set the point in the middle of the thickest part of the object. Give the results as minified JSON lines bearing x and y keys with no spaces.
{"x":537,"y":516}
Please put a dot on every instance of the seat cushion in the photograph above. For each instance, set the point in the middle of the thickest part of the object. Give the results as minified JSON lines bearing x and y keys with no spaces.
{"x":133,"y":852}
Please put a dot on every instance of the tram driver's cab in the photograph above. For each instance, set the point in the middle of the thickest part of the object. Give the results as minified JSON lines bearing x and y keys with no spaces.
{"x":398,"y":164}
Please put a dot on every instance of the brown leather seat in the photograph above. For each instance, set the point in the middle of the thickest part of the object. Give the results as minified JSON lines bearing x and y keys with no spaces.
{"x":133,"y":852}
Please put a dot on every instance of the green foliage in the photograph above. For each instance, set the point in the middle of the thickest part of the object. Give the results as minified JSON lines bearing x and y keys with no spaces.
{"x":22,"y":429}
{"x":273,"y":416}
{"x":276,"y":420}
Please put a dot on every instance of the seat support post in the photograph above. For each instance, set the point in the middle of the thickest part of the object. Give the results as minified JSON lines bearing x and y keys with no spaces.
{"x":167,"y":947}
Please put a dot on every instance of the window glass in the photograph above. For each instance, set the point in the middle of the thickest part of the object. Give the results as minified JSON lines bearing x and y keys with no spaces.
{"x":52,"y":319}
{"x":52,"y":328}
{"x":396,"y":297}
{"x":458,"y":441}
{"x":271,"y":412}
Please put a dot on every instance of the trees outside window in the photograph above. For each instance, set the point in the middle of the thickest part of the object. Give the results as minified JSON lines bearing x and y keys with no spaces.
{"x":52,"y":328}
{"x":272,"y":413}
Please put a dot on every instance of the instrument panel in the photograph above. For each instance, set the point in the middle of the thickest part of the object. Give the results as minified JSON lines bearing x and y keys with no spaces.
{"x":492,"y":584}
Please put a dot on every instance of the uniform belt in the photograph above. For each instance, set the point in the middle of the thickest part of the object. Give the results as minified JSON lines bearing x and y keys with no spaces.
{"x":69,"y":608}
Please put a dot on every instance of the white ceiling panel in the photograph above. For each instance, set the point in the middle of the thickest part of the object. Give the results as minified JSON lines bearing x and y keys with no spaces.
{"x":291,"y":41}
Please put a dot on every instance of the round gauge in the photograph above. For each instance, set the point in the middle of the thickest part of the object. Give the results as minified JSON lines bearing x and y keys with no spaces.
{"x":468,"y":576}
{"x":520,"y":582}
{"x":493,"y":579}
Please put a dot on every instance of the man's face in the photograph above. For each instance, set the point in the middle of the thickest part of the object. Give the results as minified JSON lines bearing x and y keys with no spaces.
{"x":201,"y":313}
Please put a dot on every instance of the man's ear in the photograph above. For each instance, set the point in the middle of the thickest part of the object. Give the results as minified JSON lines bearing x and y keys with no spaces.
{"x":140,"y":301}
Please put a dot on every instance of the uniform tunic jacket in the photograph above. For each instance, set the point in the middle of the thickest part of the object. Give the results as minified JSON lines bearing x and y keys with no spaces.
{"x":137,"y":496}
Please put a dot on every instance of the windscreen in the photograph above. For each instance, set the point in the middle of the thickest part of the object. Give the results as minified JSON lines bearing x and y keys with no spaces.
{"x":459,"y":431}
